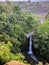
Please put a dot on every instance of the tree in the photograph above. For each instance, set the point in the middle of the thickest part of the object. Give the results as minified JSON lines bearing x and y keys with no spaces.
{"x":41,"y":38}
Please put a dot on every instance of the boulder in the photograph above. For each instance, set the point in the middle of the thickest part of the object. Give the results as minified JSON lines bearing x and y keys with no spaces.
{"x":14,"y":63}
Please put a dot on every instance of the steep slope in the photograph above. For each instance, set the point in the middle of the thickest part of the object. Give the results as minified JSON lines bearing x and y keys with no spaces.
{"x":34,"y":7}
{"x":14,"y":24}
{"x":42,"y":40}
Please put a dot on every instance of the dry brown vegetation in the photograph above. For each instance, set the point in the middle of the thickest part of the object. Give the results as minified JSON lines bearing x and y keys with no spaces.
{"x":15,"y":63}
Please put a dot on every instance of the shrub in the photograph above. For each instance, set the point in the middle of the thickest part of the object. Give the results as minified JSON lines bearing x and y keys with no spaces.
{"x":42,"y":39}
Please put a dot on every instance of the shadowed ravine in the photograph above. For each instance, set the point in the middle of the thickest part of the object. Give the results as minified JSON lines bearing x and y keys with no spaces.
{"x":30,"y":52}
{"x":30,"y":55}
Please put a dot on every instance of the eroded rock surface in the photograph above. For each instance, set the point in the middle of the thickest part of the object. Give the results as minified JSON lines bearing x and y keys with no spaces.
{"x":15,"y":63}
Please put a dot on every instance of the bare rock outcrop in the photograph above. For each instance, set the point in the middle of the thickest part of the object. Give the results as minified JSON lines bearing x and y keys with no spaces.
{"x":14,"y":63}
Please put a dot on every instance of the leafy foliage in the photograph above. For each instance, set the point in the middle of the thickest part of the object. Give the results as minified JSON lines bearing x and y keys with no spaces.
{"x":42,"y":39}
{"x":14,"y":24}
{"x":6,"y":55}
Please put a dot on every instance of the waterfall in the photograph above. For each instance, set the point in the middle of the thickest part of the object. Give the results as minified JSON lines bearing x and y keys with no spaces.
{"x":30,"y":50}
{"x":30,"y":46}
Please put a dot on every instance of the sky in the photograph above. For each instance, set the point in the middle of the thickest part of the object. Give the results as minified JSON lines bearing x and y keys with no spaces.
{"x":27,"y":0}
{"x":14,"y":0}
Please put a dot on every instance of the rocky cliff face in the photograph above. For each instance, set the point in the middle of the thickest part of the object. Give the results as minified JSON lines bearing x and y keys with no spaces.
{"x":34,"y":7}
{"x":14,"y":63}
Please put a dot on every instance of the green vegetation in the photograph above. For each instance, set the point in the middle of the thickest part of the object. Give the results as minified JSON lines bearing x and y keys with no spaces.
{"x":6,"y":54}
{"x":14,"y":24}
{"x":41,"y":39}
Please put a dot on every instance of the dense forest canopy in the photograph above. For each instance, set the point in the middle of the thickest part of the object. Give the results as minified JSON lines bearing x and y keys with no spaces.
{"x":14,"y":24}
{"x":42,"y":39}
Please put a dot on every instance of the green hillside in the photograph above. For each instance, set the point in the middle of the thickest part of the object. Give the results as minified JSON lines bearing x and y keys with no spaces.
{"x":14,"y":24}
{"x":44,"y":28}
{"x":42,"y":40}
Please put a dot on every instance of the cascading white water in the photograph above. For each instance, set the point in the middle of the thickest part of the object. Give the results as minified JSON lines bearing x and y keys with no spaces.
{"x":30,"y":46}
{"x":30,"y":50}
{"x":29,"y":35}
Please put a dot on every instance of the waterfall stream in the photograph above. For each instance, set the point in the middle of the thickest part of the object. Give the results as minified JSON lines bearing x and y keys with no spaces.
{"x":30,"y":47}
